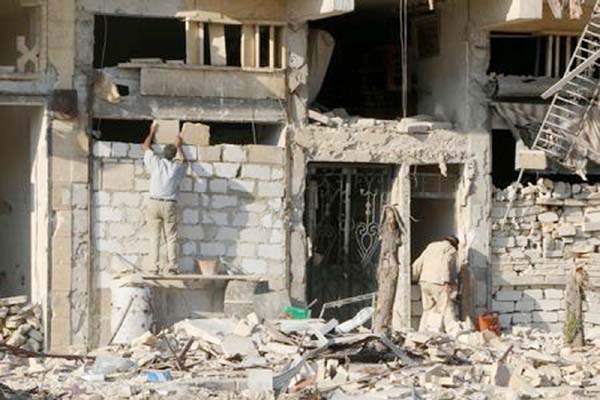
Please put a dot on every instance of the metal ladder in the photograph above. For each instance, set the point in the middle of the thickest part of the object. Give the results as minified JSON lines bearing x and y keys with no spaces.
{"x":574,"y":96}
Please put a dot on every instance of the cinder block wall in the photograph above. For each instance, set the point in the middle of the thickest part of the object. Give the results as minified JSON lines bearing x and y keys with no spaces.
{"x":231,"y":206}
{"x":552,"y":227}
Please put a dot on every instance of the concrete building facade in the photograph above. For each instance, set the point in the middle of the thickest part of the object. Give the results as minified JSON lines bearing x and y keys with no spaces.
{"x":272,"y":193}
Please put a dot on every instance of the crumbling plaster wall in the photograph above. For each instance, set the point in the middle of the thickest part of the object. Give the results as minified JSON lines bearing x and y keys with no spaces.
{"x":551,"y":227}
{"x":370,"y":141}
{"x":230,"y":207}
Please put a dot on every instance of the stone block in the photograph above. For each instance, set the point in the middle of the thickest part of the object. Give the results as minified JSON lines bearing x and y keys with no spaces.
{"x":533,"y":294}
{"x":277,"y":173}
{"x":202,"y":169}
{"x":592,"y":318}
{"x":564,"y":230}
{"x":265,"y":154}
{"x":126,"y":199}
{"x":101,"y":199}
{"x":231,"y":153}
{"x":120,"y":230}
{"x":212,"y":249}
{"x":271,"y":189}
{"x":242,"y":185}
{"x":79,"y":195}
{"x":61,"y":277}
{"x":189,"y":248}
{"x":505,"y":320}
{"x":186,"y":185}
{"x":254,"y":266}
{"x":503,"y":241}
{"x":503,"y":306}
{"x":260,"y":172}
{"x":272,"y":252}
{"x":276,"y":236}
{"x":118,"y":176}
{"x":101,"y":149}
{"x":549,"y":305}
{"x":191,"y":232}
{"x":525,"y":305}
{"x":119,"y":150}
{"x":543,"y":316}
{"x":190,"y":216}
{"x":218,"y":185}
{"x":227,"y":234}
{"x":195,"y":134}
{"x":548,"y":217}
{"x":242,"y":250}
{"x":136,"y":151}
{"x":166,"y":131}
{"x":80,"y":222}
{"x":556,"y":294}
{"x":508,"y":295}
{"x":591,"y":227}
{"x":223,"y":201}
{"x":188,"y":200}
{"x":109,"y":214}
{"x":142,"y":185}
{"x":521,"y":318}
{"x":209,"y":153}
{"x":254,"y":235}
{"x":200,"y":185}
{"x":245,"y":219}
{"x":189,"y":152}
{"x":531,"y":160}
{"x":214,"y":217}
{"x":226,"y":170}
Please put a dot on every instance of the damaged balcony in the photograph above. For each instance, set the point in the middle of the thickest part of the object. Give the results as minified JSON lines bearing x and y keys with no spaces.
{"x":227,"y":72}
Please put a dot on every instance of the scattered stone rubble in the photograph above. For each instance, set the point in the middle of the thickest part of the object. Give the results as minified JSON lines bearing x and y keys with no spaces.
{"x":21,"y":323}
{"x":310,"y":359}
{"x":551,"y":228}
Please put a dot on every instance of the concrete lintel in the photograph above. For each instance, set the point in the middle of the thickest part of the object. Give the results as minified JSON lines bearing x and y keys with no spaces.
{"x":309,"y":10}
{"x":24,"y":100}
{"x":203,"y":109}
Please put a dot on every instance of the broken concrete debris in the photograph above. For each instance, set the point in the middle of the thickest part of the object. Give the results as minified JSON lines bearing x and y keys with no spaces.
{"x":21,"y":323}
{"x":295,"y":359}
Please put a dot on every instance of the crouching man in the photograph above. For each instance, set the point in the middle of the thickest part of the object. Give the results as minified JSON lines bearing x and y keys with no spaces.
{"x":435,"y":270}
{"x":165,"y":175}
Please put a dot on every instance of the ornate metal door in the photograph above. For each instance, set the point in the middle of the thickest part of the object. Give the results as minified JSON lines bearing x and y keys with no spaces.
{"x":343,"y":213}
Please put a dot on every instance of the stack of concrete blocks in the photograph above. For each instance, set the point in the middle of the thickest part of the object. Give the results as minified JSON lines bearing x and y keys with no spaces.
{"x":551,"y":227}
{"x":21,"y":323}
{"x":231,"y":206}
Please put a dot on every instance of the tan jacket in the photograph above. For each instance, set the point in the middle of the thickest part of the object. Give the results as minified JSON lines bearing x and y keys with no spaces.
{"x":437,"y":264}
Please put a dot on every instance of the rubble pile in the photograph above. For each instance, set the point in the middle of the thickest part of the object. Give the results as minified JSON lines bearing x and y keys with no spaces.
{"x":313,"y":359}
{"x":21,"y":323}
{"x":339,"y":118}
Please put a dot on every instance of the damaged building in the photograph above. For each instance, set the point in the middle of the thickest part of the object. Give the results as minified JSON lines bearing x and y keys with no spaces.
{"x":301,"y":119}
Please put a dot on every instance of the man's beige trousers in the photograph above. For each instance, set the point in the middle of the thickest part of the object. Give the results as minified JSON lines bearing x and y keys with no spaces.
{"x":162,"y":217}
{"x":439,"y":311}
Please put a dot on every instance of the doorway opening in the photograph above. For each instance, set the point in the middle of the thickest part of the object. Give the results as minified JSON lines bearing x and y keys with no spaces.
{"x":23,"y":203}
{"x":433,"y":212}
{"x":344,"y":203}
